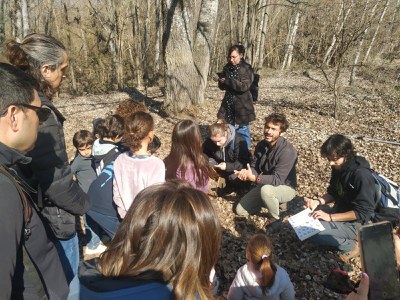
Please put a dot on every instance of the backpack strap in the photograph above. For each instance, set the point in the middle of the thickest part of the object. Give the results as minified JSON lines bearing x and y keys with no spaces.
{"x":29,"y":265}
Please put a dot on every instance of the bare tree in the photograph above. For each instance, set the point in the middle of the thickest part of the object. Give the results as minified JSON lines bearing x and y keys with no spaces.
{"x":376,"y":31}
{"x":188,"y":42}
{"x":2,"y":28}
{"x":291,"y":37}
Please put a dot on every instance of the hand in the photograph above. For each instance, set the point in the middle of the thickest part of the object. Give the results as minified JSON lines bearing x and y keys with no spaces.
{"x":319,"y":214}
{"x":362,"y":290}
{"x":310,"y":203}
{"x":245,"y":174}
{"x":222,"y":80}
{"x":221,"y":166}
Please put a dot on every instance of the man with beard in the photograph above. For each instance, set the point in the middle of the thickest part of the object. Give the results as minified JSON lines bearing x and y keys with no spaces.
{"x":352,"y":188}
{"x":273,"y":170}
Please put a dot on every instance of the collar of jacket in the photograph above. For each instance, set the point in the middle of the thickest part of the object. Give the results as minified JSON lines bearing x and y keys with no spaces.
{"x":10,"y":156}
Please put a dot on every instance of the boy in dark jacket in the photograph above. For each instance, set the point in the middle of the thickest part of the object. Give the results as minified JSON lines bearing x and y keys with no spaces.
{"x":352,"y":188}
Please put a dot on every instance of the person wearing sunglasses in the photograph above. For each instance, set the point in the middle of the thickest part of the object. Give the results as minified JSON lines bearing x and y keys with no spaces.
{"x":46,"y":59}
{"x":25,"y":243}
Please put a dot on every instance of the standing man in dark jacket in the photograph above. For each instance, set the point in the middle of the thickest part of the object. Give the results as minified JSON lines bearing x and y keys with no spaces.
{"x":352,"y":188}
{"x":30,"y":267}
{"x":273,"y":170}
{"x":60,"y":199}
{"x":237,"y":106}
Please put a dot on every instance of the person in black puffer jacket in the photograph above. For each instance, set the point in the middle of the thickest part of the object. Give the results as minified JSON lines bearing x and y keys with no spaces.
{"x":60,"y":199}
{"x":237,"y":105}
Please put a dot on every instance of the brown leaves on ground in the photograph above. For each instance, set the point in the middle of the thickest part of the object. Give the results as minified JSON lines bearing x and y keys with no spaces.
{"x":370,"y":111}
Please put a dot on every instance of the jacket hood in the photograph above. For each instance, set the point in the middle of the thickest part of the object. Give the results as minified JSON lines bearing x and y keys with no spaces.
{"x":231,"y":134}
{"x":355,"y":163}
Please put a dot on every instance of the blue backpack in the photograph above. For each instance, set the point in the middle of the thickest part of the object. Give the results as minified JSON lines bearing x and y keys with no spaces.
{"x":387,"y":207}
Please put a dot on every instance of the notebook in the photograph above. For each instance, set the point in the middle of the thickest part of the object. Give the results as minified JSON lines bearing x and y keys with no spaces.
{"x":304,"y":225}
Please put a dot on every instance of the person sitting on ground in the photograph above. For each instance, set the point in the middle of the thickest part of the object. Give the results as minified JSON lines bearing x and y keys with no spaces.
{"x":186,"y":160}
{"x":165,"y":248}
{"x":136,"y":169}
{"x":108,"y":146}
{"x":273,"y":170}
{"x":261,"y":278}
{"x":352,"y":188}
{"x":25,"y":243}
{"x":227,"y":151}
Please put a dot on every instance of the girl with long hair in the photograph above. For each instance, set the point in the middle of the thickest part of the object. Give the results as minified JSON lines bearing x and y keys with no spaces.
{"x":186,"y":160}
{"x":136,"y":169}
{"x":261,"y":278}
{"x":169,"y":240}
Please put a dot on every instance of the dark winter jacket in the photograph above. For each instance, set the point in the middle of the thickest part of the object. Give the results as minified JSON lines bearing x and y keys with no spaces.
{"x":95,"y":286}
{"x":353,"y":188}
{"x":15,"y":282}
{"x":235,"y":152}
{"x":277,"y":165}
{"x":84,"y":171}
{"x":61,"y":198}
{"x":104,"y":152}
{"x":240,"y":88}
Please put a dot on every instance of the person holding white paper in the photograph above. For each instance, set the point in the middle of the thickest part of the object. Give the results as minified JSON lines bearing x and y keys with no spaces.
{"x":352,"y":188}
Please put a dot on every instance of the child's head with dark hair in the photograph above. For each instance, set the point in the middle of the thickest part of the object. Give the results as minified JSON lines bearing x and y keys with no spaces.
{"x":112,"y":128}
{"x":97,"y":128}
{"x":83,"y":141}
{"x":337,"y":146}
{"x":277,"y":119}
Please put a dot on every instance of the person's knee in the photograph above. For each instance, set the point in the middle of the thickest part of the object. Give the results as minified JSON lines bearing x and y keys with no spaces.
{"x":240,"y":211}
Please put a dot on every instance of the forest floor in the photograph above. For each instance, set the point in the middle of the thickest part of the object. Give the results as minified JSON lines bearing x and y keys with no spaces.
{"x":371,"y":114}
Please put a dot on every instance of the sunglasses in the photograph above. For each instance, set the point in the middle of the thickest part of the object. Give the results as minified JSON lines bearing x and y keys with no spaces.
{"x":43,"y":113}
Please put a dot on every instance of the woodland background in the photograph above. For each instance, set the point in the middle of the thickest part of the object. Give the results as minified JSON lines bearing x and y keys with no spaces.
{"x":178,"y":44}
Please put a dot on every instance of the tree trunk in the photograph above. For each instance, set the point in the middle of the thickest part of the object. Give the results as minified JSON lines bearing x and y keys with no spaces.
{"x":25,"y":18}
{"x":290,"y":40}
{"x":230,"y":22}
{"x":342,"y":17}
{"x":137,"y":42}
{"x":68,"y":34}
{"x":2,"y":28}
{"x":156,"y":68}
{"x":260,"y":52}
{"x":361,"y":41}
{"x":188,"y":43}
{"x":376,"y":31}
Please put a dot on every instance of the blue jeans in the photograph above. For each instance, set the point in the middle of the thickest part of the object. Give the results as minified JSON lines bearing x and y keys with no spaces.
{"x":244,"y":130}
{"x":339,"y":235}
{"x":109,"y":224}
{"x":91,"y":237}
{"x":68,"y":250}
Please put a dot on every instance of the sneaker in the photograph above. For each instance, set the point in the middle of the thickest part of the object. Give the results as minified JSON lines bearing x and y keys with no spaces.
{"x":100,"y":249}
{"x":349,"y":255}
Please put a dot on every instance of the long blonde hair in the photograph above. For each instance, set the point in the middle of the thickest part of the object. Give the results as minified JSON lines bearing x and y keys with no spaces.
{"x":171,"y":232}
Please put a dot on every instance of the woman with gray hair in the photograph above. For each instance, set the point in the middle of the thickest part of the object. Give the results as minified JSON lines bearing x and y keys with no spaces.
{"x":59,"y":198}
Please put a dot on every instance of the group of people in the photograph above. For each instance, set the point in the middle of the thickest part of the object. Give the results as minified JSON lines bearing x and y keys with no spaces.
{"x":164,"y":233}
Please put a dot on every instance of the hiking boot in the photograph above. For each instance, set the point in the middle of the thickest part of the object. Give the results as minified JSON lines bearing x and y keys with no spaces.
{"x":273,"y":224}
{"x":345,"y":257}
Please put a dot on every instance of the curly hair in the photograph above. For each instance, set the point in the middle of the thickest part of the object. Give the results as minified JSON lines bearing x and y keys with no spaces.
{"x":137,"y":126}
{"x":337,"y":146}
{"x":277,"y":118}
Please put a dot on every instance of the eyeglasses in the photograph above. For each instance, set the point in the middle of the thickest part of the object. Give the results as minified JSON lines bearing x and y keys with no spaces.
{"x":43,"y":113}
